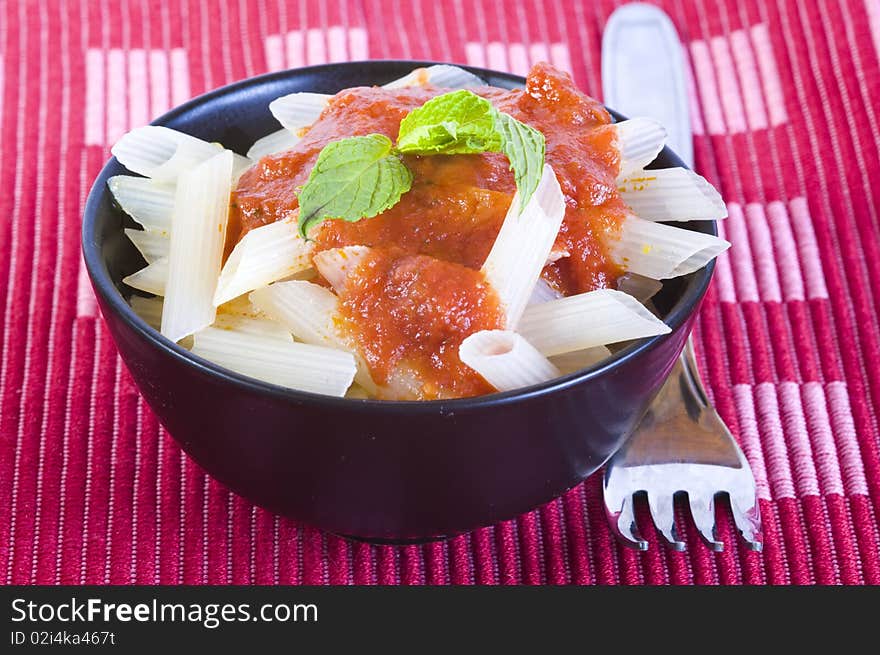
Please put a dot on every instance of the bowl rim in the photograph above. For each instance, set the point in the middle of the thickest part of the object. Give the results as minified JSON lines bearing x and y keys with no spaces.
{"x":99,"y":275}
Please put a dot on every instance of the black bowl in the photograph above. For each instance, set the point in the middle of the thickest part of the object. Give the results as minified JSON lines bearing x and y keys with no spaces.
{"x":364,"y":468}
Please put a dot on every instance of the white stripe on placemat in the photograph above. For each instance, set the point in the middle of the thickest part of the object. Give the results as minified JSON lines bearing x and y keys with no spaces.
{"x":742,"y":263}
{"x":800,"y":450}
{"x":138,"y":88}
{"x":750,"y":83}
{"x":180,"y":86}
{"x":539,"y":52}
{"x":764,"y":258}
{"x":86,"y":305}
{"x":773,"y":96}
{"x":728,"y":86}
{"x":116,"y":95}
{"x":560,"y":57}
{"x":808,"y":248}
{"x":705,"y":78}
{"x":95,"y":103}
{"x":750,"y":438}
{"x":337,"y":44}
{"x":786,"y":252}
{"x":518,"y":59}
{"x":773,"y":440}
{"x":851,"y":464}
{"x":160,"y":99}
{"x":723,"y":273}
{"x":316,"y":52}
{"x":475,"y":54}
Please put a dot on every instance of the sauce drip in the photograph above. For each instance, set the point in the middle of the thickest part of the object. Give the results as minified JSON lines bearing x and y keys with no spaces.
{"x":420,"y":293}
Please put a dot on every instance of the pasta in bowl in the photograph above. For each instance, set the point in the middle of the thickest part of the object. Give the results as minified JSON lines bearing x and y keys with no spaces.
{"x":414,"y":296}
{"x":489,"y":270}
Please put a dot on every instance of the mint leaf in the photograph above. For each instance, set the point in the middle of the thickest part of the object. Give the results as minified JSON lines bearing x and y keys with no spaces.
{"x":462,"y":122}
{"x":453,"y":123}
{"x":354,"y":178}
{"x":524,"y":147}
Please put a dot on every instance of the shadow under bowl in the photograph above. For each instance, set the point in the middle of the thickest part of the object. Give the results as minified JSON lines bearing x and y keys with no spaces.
{"x":376,"y":470}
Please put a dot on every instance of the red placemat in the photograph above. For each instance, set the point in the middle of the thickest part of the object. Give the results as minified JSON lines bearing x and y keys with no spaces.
{"x":786,"y":97}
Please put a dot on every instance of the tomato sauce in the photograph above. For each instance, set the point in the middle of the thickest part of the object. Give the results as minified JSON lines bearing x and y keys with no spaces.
{"x":410,"y":314}
{"x":420,"y":293}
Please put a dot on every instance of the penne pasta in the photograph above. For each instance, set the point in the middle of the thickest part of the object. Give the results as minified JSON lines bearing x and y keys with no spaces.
{"x":264,"y":255}
{"x":198,"y":231}
{"x":240,"y":164}
{"x":308,"y":310}
{"x":311,"y":313}
{"x":263,"y":327}
{"x":151,"y":244}
{"x":587,"y":320}
{"x":543,"y":292}
{"x":523,"y":244}
{"x":639,"y":140}
{"x":662,"y":251}
{"x":442,"y":76}
{"x":638,"y":286}
{"x":671,"y":194}
{"x":279,"y":141}
{"x":240,"y":306}
{"x":357,"y":392}
{"x":506,"y":360}
{"x":149,"y":309}
{"x":295,"y":365}
{"x":162,"y":153}
{"x":148,"y":202}
{"x":297,"y":111}
{"x":579,"y":359}
{"x":151,"y":279}
{"x":335,"y":264}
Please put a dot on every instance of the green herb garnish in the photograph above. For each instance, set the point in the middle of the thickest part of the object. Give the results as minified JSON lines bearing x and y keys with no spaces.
{"x":352,"y":179}
{"x":363,"y":176}
{"x":524,"y":147}
{"x":454,"y":123}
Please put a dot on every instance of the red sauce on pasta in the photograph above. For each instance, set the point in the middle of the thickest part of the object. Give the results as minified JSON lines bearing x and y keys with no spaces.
{"x":410,"y":314}
{"x":420,"y":293}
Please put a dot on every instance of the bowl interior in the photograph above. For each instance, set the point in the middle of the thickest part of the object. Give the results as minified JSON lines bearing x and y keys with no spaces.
{"x":236,"y":116}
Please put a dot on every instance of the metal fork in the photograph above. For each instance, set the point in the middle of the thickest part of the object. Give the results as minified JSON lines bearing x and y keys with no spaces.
{"x":681,"y":447}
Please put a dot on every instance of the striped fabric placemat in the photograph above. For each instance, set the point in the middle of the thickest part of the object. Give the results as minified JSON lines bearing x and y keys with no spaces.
{"x":786,"y":97}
